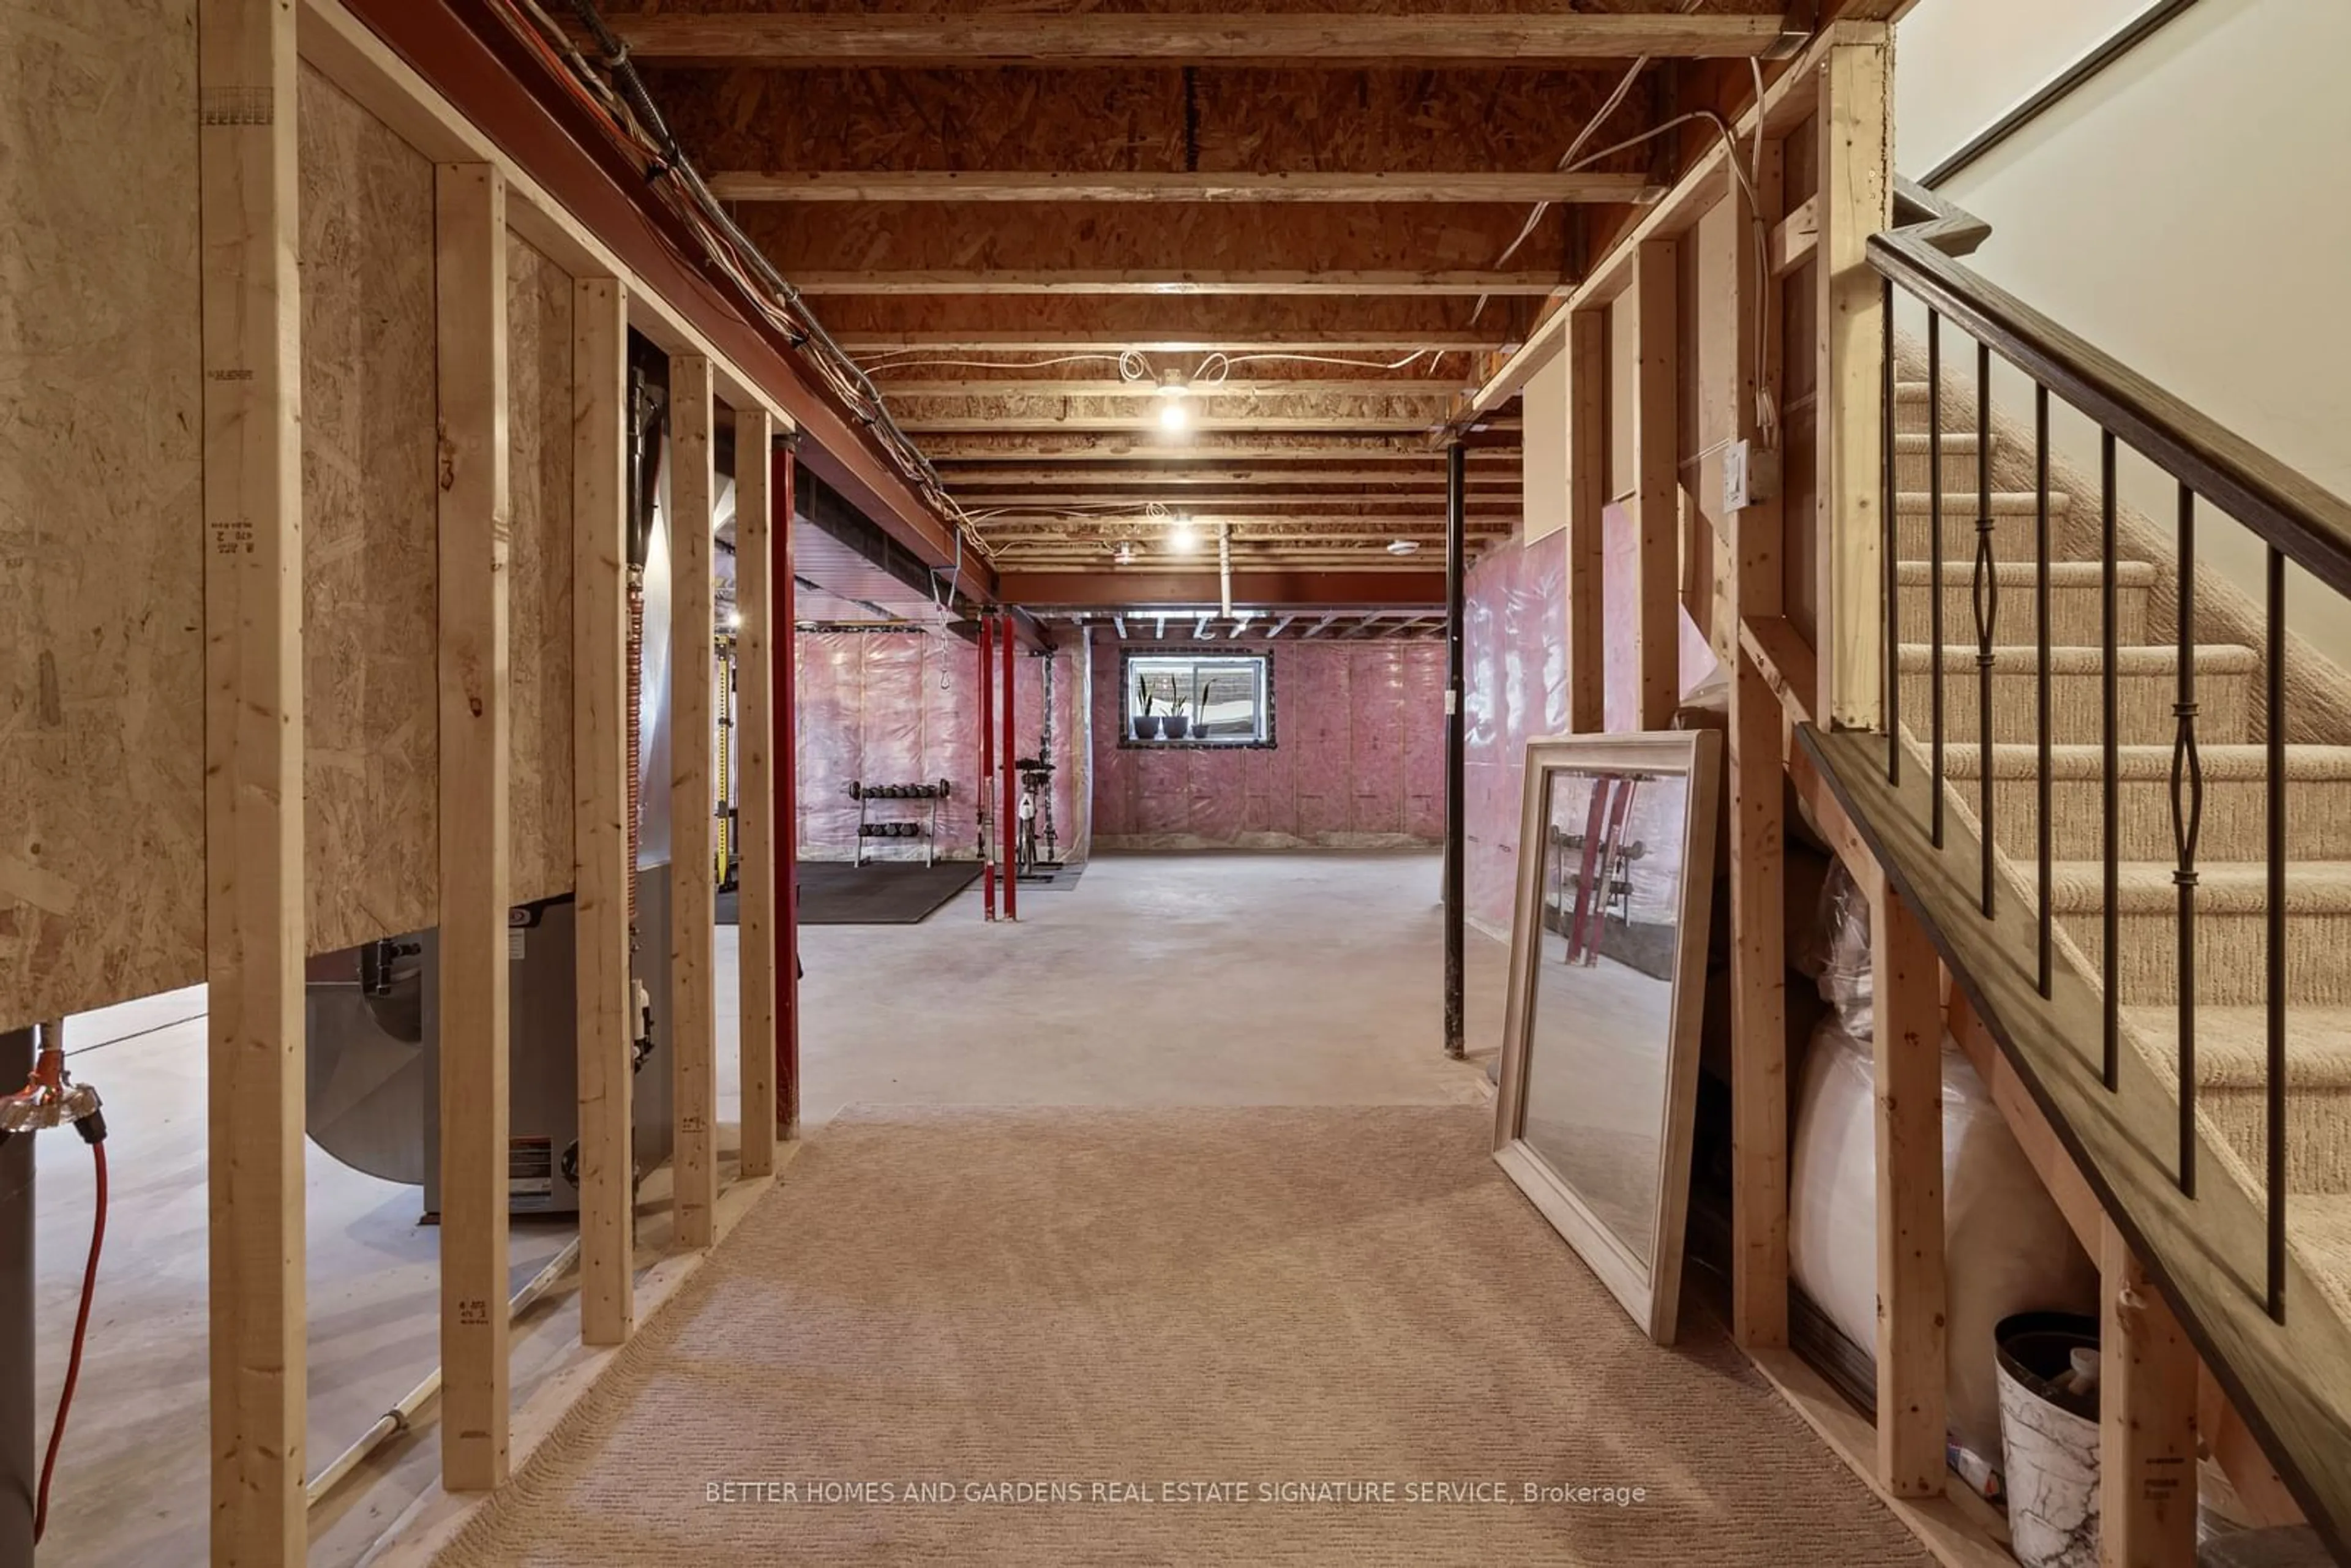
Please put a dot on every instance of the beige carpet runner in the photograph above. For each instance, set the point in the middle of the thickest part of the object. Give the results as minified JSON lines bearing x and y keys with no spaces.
{"x":1253,"y":1336}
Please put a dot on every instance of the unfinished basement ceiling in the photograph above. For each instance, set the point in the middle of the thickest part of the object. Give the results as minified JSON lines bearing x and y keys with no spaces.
{"x":1031,"y":228}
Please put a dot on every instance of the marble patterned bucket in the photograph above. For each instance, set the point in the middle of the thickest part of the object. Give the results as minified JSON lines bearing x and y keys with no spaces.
{"x":2049,"y":1452}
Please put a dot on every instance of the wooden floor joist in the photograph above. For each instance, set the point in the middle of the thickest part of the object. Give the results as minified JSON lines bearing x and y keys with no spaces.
{"x":692,"y":914}
{"x":470,"y":297}
{"x":254,"y":902}
{"x":755,"y":463}
{"x":1157,"y":186}
{"x":1460,"y":283}
{"x":1354,"y":38}
{"x":603,"y":875}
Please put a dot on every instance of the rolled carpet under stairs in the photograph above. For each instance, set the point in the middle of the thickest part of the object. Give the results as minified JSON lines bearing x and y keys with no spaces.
{"x":2232,"y":895}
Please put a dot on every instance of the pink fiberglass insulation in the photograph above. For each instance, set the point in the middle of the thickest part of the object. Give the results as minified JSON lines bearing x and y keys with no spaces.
{"x":885,"y":707}
{"x":1515,"y":690}
{"x":1069,"y":747}
{"x":1357,"y":760}
{"x":1620,"y":611}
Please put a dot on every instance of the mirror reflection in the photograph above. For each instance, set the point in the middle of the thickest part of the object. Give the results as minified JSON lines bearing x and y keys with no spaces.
{"x":1600,"y":1032}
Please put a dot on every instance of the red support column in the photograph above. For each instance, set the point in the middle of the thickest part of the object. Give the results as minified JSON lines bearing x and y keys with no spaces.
{"x":1009,"y":833}
{"x":783,"y":650}
{"x":987,"y":761}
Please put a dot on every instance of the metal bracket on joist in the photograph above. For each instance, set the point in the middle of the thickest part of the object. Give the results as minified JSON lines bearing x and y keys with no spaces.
{"x":1798,"y":23}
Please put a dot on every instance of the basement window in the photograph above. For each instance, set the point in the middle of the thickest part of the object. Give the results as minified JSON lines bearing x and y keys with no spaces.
{"x":1200,"y":699}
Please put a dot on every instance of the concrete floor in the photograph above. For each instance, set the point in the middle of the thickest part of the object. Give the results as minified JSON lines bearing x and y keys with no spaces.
{"x":1285,"y":979}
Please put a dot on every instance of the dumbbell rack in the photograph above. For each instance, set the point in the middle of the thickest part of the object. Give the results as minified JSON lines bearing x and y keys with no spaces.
{"x":927,"y":829}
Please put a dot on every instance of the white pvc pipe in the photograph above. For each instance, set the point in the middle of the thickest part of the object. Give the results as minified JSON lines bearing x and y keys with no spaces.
{"x":398,"y":1418}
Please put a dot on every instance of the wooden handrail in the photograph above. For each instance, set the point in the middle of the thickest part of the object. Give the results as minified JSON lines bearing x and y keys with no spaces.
{"x":2308,"y":523}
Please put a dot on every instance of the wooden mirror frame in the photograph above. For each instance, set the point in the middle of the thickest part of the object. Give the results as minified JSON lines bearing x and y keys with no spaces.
{"x":1651,"y":1293}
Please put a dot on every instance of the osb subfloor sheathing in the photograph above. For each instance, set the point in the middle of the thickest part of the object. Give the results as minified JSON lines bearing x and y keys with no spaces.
{"x":1260,"y":1298}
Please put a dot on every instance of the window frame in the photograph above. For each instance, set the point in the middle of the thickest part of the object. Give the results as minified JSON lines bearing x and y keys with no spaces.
{"x":1126,"y":661}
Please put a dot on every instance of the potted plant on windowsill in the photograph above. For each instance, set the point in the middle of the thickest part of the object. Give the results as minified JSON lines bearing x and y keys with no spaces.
{"x":1145,"y":723}
{"x":1175,"y":725}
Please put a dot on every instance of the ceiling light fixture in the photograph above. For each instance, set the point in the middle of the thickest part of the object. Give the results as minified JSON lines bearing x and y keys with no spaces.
{"x":1174,"y":386}
{"x":1181,"y":536}
{"x":1404,"y":547}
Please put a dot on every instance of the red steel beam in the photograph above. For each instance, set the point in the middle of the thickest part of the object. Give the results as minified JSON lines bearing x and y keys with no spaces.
{"x":1256,"y":590}
{"x":466,"y":51}
{"x":986,"y":758}
{"x":1009,"y":833}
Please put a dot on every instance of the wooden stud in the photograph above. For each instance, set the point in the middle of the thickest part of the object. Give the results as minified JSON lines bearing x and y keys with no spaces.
{"x":2147,"y":1420}
{"x":1854,"y":201}
{"x":692,"y":885}
{"x":964,"y":40}
{"x":1656,"y":481}
{"x":1759,"y":1079}
{"x":785,"y":729}
{"x":1587,"y":497}
{"x":1911,"y":1292}
{"x":470,"y":300}
{"x":756,"y":641}
{"x":601,"y":783}
{"x":1795,"y":238}
{"x":1157,"y":186}
{"x":253,"y":905}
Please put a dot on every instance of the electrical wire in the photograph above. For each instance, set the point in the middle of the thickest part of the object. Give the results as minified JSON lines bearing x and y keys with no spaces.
{"x":635,"y":122}
{"x":80,"y":1335}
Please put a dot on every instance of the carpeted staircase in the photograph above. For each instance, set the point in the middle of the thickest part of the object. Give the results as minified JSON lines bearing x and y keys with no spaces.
{"x":2231,"y":898}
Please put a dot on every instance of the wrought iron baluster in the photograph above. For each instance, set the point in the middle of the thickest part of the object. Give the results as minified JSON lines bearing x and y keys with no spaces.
{"x":1935,"y":566}
{"x":2277,"y":1085}
{"x":2186,"y":822}
{"x":2040,"y":667}
{"x":1986,"y":597}
{"x":2110,"y":961}
{"x":1893,"y":557}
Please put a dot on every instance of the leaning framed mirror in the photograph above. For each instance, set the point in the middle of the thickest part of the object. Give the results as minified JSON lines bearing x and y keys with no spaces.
{"x":1600,"y":1048}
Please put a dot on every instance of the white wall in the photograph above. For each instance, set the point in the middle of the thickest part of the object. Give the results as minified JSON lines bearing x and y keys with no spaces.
{"x":2189,"y":211}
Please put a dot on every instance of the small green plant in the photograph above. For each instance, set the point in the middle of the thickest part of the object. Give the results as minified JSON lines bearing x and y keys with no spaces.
{"x":1143,"y":695}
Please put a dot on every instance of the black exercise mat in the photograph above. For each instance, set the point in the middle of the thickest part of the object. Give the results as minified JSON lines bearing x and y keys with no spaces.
{"x":881,"y":892}
{"x":1061,"y":879}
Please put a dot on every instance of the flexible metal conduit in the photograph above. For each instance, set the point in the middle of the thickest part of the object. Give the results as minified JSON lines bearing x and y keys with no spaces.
{"x":402,"y":1416}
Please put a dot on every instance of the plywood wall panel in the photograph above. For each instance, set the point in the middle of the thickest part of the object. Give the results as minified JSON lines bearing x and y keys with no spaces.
{"x":101,"y":569}
{"x":370,"y":599}
{"x":539,"y":465}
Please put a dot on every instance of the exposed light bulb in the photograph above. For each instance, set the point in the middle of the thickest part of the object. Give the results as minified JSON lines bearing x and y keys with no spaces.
{"x":1181,"y":537}
{"x":734,"y":620}
{"x":1172,"y":414}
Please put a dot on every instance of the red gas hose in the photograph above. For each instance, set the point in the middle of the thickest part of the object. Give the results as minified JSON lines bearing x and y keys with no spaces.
{"x":81,"y":1331}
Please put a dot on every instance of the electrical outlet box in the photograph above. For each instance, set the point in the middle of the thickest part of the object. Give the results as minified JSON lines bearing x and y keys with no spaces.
{"x":1749,"y":474}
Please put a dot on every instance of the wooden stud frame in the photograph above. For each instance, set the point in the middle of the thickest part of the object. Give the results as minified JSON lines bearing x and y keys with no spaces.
{"x":1587,"y":499}
{"x":755,"y":465}
{"x":1856,"y":201}
{"x":1650,"y":1293}
{"x":2146,"y":1419}
{"x":470,"y":289}
{"x":599,"y":751}
{"x":693,"y":886}
{"x":1759,"y":981}
{"x":1656,"y":508}
{"x":254,"y":906}
{"x":1912,"y":1294}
